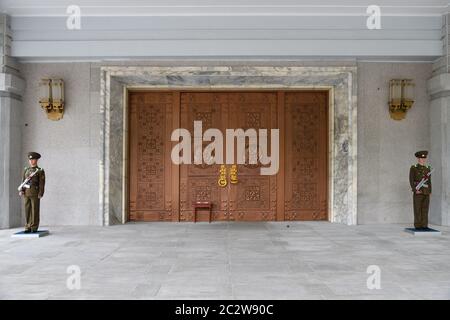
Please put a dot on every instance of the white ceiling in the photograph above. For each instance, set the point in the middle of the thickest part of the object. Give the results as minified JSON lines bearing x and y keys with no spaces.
{"x":214,"y":7}
{"x":134,"y":29}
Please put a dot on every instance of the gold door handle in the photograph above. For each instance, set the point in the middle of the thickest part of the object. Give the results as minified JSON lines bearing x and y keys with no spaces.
{"x":222,"y":176}
{"x":234,"y":174}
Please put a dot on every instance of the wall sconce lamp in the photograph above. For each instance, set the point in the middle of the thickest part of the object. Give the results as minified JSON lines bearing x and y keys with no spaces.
{"x":401,"y":97}
{"x":52,"y":98}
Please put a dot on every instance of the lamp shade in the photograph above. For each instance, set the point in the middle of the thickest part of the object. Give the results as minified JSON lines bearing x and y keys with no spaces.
{"x":58,"y":90}
{"x":395,"y":91}
{"x":45,"y":92}
{"x":408,"y":90}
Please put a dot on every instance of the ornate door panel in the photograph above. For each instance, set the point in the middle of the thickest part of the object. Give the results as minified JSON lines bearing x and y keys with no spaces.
{"x":199,"y":182}
{"x":150,"y":189}
{"x":162,"y":191}
{"x":253,"y":197}
{"x":306,"y":155}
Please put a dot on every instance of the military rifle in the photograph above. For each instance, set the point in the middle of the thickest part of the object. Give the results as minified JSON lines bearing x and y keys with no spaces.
{"x":25,"y":184}
{"x":424,"y":180}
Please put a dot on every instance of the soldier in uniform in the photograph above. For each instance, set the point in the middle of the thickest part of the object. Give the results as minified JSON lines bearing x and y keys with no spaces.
{"x":32,"y":192}
{"x":421,"y":197}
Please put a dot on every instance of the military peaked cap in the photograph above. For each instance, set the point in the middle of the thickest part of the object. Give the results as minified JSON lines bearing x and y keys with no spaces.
{"x":33,"y":155}
{"x":421,"y":154}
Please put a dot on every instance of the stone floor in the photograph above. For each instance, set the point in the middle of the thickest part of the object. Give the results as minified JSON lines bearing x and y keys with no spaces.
{"x":305,"y":260}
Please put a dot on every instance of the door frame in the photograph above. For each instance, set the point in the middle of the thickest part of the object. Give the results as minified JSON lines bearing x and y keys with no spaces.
{"x":176,"y":122}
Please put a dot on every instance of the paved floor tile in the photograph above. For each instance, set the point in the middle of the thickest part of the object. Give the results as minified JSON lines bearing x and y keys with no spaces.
{"x":307,"y":260}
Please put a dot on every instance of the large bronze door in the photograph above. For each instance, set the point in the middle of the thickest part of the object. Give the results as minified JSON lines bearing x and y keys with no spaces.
{"x":162,"y":191}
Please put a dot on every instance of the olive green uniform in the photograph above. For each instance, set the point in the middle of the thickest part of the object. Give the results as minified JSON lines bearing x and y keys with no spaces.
{"x":421,"y":201}
{"x":32,"y":196}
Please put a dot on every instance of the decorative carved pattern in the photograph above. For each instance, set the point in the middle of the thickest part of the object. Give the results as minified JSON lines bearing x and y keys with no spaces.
{"x":304,"y":195}
{"x":256,"y":110}
{"x":254,"y":197}
{"x":148,"y":196}
{"x":305,"y":120}
{"x":204,"y":117}
{"x":252,"y":120}
{"x":306,"y":156}
{"x":151,"y":119}
{"x":206,"y":107}
{"x":149,"y":168}
{"x":252,"y":193}
{"x":200,"y":180}
{"x":306,"y":168}
{"x":149,"y":175}
{"x":200,"y":189}
{"x":203,"y":193}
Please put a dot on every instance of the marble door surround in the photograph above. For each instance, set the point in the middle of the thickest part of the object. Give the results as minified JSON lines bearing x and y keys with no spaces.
{"x":339,"y":81}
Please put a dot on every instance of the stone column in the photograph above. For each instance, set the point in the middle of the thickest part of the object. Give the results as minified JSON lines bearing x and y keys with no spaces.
{"x":11,"y":89}
{"x":439,"y":90}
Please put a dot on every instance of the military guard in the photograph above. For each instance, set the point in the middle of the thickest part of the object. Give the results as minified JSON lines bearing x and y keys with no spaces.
{"x":420,"y":173}
{"x":32,"y":190}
